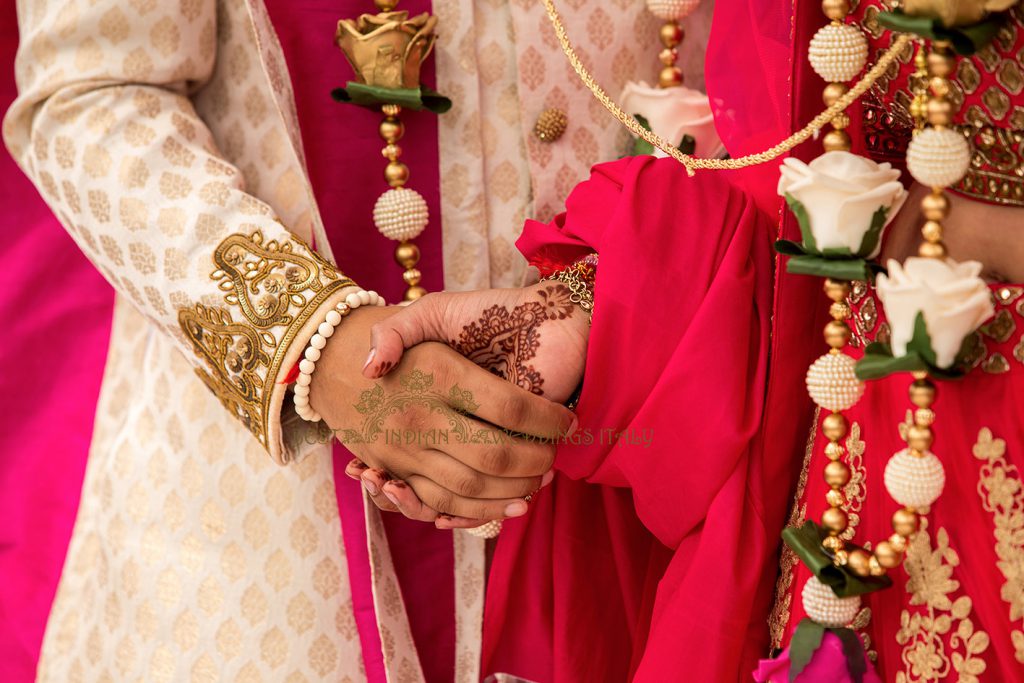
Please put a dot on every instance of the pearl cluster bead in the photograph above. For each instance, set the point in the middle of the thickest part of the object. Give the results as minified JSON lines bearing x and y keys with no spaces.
{"x":838,"y":52}
{"x":914,"y":481}
{"x":401,"y":214}
{"x":832,"y":382}
{"x":672,"y":10}
{"x":489,"y":529}
{"x":317,"y":343}
{"x":825,"y":607}
{"x":938,"y":157}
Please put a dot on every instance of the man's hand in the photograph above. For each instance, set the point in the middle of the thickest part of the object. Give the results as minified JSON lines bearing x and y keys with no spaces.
{"x":436,"y":423}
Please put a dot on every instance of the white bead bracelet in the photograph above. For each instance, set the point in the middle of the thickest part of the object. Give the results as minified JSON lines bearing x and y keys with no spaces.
{"x":317,"y":343}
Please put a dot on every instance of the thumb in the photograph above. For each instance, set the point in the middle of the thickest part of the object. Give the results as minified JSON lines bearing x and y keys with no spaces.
{"x":418,"y":322}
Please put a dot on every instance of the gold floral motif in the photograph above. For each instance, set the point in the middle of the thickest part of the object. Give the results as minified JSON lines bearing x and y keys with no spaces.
{"x":999,"y":485}
{"x":275,"y":286}
{"x":856,"y":489}
{"x":923,"y":633}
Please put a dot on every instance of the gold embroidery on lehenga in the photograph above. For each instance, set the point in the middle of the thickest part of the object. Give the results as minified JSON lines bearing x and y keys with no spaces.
{"x":856,"y":489}
{"x":922,"y":633}
{"x":1002,"y":494}
{"x":272,"y":285}
{"x":778,"y":620}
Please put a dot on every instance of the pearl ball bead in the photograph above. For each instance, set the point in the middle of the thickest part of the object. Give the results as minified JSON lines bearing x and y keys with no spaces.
{"x":838,"y":52}
{"x":832,"y":383}
{"x":914,"y":481}
{"x":938,"y":157}
{"x":401,"y":214}
{"x":490,"y":529}
{"x":823,"y":606}
{"x":672,"y":10}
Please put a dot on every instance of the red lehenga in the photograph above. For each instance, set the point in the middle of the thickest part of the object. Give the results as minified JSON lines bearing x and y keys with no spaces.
{"x":956,"y":609}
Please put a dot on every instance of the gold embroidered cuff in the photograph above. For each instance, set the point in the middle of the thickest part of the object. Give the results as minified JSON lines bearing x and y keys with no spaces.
{"x":271,"y":289}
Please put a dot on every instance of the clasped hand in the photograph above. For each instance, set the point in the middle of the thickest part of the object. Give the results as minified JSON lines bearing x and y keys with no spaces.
{"x":452,"y":405}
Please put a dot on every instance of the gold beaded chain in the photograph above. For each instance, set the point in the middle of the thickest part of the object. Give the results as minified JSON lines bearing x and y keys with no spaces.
{"x":692,"y":163}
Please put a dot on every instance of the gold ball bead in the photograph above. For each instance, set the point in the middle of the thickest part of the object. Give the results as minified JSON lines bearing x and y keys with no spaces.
{"x":939,"y":86}
{"x":918,"y":107}
{"x":875,"y":568}
{"x":834,"y":498}
{"x":386,"y":5}
{"x":391,"y":151}
{"x":834,"y":426}
{"x":932,"y":231}
{"x":837,"y":290}
{"x":837,"y":334}
{"x":671,"y":34}
{"x":919,"y":438}
{"x":935,"y":206}
{"x":841,"y":557}
{"x":932,"y":250}
{"x":858,"y":560}
{"x":835,"y":519}
{"x":924,"y":416}
{"x":407,"y":254}
{"x":887,"y":555}
{"x":905,"y":522}
{"x":940,"y":112}
{"x":940,"y":64}
{"x":396,"y":173}
{"x":836,"y":141}
{"x":833,"y":450}
{"x":833,"y":543}
{"x":841,"y":120}
{"x":835,"y":9}
{"x":898,"y":543}
{"x":833,"y":91}
{"x":922,"y":393}
{"x":414,"y":292}
{"x":391,"y":129}
{"x":837,"y":473}
{"x":670,"y":76}
{"x":668,"y":56}
{"x":839,"y":310}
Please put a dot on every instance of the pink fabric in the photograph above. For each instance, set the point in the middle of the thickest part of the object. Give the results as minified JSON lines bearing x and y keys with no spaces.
{"x":343,"y":158}
{"x":58,"y":311}
{"x":642,"y":560}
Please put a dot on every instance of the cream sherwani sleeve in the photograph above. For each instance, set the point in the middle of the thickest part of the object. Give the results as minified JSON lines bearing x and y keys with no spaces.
{"x":105,"y":127}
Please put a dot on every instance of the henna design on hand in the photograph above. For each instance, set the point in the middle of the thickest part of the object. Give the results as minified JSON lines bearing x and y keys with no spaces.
{"x":503,"y":341}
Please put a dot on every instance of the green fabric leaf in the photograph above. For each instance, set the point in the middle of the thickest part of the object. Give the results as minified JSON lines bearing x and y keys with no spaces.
{"x":882,"y":364}
{"x":806,"y":540}
{"x":966,"y":40}
{"x":837,"y":269}
{"x":409,"y":98}
{"x":798,"y":209}
{"x":921,"y":342}
{"x":874,"y":233}
{"x":853,"y":649}
{"x":789,"y":248}
{"x":805,"y":642}
{"x":879,"y":362}
{"x":641,"y":146}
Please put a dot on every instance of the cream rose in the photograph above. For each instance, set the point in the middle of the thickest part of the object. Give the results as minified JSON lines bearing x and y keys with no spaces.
{"x":673,"y":113}
{"x":952,"y":298}
{"x":841,"y":193}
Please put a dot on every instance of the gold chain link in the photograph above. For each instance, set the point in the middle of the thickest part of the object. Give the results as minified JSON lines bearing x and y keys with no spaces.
{"x":693,"y":164}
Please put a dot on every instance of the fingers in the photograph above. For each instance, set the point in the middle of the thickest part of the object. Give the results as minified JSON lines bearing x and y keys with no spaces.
{"x":511,"y":407}
{"x":406,"y":501}
{"x":417,"y":322}
{"x":444,"y":501}
{"x":355,"y":468}
{"x":464,"y":479}
{"x":373,"y":480}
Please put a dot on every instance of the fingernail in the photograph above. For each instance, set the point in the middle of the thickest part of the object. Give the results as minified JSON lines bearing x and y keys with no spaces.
{"x":369,"y":358}
{"x":392,"y":498}
{"x":546,"y":479}
{"x":516,"y":509}
{"x":370,"y":487}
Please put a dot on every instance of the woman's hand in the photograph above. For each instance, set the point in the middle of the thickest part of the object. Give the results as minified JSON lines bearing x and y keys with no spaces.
{"x":436,"y":423}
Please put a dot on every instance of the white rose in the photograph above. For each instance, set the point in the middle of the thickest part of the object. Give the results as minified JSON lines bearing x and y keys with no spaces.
{"x":841,"y":193}
{"x":950,"y":295}
{"x":673,"y":113}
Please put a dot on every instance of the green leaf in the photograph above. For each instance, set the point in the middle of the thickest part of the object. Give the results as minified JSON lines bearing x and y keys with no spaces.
{"x":641,"y":146}
{"x":798,"y":209}
{"x":789,"y":248}
{"x":806,"y":540}
{"x":879,"y":365}
{"x":921,"y":342}
{"x":410,"y":98}
{"x":874,"y":233}
{"x":966,"y":40}
{"x":839,"y":269}
{"x":853,"y":649}
{"x":805,"y":642}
